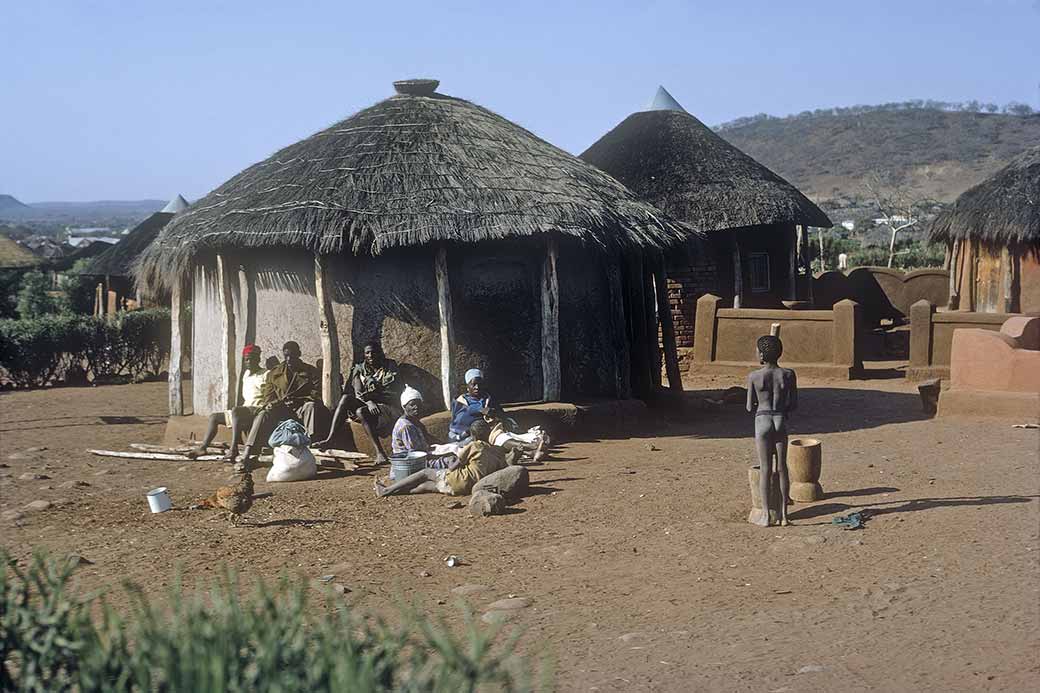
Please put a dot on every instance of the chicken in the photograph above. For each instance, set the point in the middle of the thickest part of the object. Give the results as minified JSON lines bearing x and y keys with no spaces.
{"x":236,"y":497}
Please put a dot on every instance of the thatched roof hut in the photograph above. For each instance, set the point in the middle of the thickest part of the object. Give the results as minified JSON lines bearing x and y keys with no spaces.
{"x":1003,"y":209}
{"x":753,"y":218}
{"x":118,"y":259}
{"x":451,"y":234}
{"x":992,"y":232}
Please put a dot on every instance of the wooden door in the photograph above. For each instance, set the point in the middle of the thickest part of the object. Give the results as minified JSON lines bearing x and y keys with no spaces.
{"x":989,"y":281}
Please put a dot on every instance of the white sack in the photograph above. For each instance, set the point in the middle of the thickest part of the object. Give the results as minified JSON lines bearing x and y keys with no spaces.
{"x":292,"y":464}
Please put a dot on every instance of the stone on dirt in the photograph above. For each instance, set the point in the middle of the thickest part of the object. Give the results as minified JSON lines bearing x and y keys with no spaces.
{"x":30,"y":476}
{"x":12,"y":515}
{"x":38,"y":505}
{"x":511,"y":482}
{"x":484,"y":503}
{"x":468,"y":589}
{"x":496,"y":617}
{"x":509,"y":604}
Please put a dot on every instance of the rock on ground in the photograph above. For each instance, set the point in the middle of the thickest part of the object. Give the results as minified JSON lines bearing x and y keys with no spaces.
{"x":511,"y":482}
{"x":484,"y":503}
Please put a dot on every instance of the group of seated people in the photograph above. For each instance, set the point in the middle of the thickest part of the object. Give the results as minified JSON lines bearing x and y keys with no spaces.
{"x":291,"y":389}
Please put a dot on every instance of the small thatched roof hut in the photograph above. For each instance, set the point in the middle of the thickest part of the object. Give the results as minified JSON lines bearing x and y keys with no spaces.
{"x":14,"y":255}
{"x":453,"y":235}
{"x":752,"y":217}
{"x":993,"y":234}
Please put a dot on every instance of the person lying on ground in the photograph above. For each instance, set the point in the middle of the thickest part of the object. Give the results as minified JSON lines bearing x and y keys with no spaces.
{"x":471,"y":405}
{"x":292,"y":390}
{"x":239,"y":418}
{"x":475,"y":461}
{"x":504,"y":434}
{"x":370,"y":400}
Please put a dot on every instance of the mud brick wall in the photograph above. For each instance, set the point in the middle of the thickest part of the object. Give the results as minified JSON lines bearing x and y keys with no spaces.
{"x":687,"y":282}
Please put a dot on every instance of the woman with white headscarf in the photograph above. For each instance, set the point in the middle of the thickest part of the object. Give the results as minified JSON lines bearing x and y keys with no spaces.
{"x":471,"y":405}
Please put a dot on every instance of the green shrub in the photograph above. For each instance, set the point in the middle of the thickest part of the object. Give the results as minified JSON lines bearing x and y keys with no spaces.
{"x":34,"y":298}
{"x":38,"y":350}
{"x":221,"y":642}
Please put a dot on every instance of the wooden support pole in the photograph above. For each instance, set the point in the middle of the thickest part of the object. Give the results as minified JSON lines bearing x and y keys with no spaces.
{"x":653,"y":343}
{"x":447,"y":325}
{"x":640,"y":354}
{"x":955,"y":263}
{"x":99,"y":298}
{"x":664,"y":314}
{"x":330,"y":391}
{"x":1006,"y":266}
{"x":228,"y":362}
{"x":177,"y":315}
{"x":738,"y":273}
{"x":792,"y":267}
{"x":550,"y":325}
{"x":614,"y":266}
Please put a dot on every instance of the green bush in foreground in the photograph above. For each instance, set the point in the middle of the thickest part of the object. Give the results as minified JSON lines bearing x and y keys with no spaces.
{"x":51,"y":640}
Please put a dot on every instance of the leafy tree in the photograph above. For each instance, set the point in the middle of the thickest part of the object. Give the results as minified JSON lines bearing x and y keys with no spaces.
{"x":33,"y":298}
{"x":79,"y":290}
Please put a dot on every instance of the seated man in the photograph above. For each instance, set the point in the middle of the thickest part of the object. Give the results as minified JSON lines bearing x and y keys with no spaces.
{"x":475,"y":461}
{"x":471,"y":405}
{"x":250,"y":382}
{"x":292,"y":390}
{"x":370,"y":400}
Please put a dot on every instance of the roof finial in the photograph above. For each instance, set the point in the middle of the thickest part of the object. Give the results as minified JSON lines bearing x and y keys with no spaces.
{"x":663,"y":101}
{"x":177,"y":204}
{"x":417,"y":87}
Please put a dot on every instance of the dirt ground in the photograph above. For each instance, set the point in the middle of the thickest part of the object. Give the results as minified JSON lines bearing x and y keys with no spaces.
{"x":633,"y":549}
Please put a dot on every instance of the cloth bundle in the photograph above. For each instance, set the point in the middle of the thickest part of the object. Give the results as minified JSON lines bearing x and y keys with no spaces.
{"x":289,"y":432}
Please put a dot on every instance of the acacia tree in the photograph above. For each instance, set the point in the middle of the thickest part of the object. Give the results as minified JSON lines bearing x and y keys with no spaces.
{"x":897,"y":205}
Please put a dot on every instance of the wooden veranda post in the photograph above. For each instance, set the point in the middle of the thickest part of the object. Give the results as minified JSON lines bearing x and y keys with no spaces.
{"x":1007,"y":267}
{"x":330,"y":391}
{"x":550,"y":325}
{"x":640,"y":354}
{"x":447,"y":325}
{"x":955,"y":263}
{"x":792,"y":267}
{"x":228,"y":363}
{"x":176,"y":348}
{"x":738,"y":273}
{"x":614,"y":266}
{"x":653,"y":342}
{"x":664,"y":314}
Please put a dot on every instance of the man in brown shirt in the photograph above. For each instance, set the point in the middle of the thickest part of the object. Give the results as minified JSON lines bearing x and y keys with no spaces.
{"x":292,"y":391}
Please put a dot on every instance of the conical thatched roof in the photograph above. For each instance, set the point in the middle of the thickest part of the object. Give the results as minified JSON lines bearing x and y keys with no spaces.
{"x":118,"y":260}
{"x":1003,"y":209}
{"x":675,"y":162}
{"x":176,"y":205}
{"x":15,"y":256}
{"x":416,"y":168}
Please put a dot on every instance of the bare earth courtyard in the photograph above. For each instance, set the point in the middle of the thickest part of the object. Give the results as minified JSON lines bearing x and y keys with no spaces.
{"x":641,"y":570}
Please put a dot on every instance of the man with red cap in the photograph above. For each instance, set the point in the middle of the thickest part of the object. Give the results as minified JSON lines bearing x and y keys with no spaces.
{"x":239,"y":418}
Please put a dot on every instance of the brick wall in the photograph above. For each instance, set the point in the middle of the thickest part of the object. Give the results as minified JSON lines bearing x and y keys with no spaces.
{"x":687,"y":282}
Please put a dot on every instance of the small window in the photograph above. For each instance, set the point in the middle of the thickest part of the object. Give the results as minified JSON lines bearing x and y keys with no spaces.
{"x":758,"y":264}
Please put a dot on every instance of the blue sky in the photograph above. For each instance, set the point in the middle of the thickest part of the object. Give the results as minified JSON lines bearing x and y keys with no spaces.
{"x":127,"y":100}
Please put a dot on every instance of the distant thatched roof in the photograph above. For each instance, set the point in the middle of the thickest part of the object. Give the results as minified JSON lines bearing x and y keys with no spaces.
{"x":15,"y":256}
{"x":117,"y":260}
{"x":416,"y":168}
{"x":1003,"y":209}
{"x":676,"y":163}
{"x":83,"y":252}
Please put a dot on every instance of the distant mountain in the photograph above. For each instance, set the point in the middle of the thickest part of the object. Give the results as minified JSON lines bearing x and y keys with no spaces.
{"x":113,"y":213}
{"x":929,"y":152}
{"x":8,"y":203}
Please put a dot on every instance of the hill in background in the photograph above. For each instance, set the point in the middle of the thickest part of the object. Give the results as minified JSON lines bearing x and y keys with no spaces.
{"x":931,"y":153}
{"x":9,"y":204}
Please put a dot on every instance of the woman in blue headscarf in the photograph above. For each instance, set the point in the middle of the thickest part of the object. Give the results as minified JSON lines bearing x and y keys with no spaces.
{"x":471,"y":405}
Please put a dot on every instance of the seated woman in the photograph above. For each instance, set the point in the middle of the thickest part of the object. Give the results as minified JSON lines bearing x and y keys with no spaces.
{"x":238,"y":418}
{"x":411,"y":435}
{"x":475,"y":461}
{"x":370,"y":399}
{"x":471,"y":405}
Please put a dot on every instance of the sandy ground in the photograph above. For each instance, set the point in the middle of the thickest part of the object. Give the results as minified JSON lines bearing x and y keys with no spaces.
{"x":641,"y":570}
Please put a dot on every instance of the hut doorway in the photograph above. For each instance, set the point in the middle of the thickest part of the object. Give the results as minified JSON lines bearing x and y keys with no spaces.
{"x":496,"y":300}
{"x":989,"y":281}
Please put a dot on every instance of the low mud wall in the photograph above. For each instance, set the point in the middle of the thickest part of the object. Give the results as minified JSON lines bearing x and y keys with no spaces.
{"x":931,"y":337}
{"x":822,"y":342}
{"x":882,"y":293}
